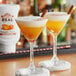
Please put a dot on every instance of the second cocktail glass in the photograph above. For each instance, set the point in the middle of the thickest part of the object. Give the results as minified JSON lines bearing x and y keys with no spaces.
{"x":55,"y":24}
{"x":31,"y":27}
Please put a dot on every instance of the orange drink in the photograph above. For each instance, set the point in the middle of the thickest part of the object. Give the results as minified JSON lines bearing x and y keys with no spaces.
{"x":31,"y":33}
{"x":55,"y":26}
{"x":31,"y":26}
{"x":56,"y":21}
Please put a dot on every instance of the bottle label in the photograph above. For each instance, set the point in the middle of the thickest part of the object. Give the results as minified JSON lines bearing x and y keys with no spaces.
{"x":7,"y":25}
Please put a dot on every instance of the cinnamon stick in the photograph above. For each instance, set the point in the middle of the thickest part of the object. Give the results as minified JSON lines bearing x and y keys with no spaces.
{"x":43,"y":14}
{"x":71,"y":9}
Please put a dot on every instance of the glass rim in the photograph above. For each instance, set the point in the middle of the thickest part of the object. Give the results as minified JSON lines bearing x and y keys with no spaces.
{"x":57,"y":14}
{"x":31,"y":18}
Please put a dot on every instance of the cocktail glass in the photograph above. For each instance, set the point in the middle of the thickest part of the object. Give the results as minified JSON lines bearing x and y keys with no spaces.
{"x":55,"y":24}
{"x":31,"y":27}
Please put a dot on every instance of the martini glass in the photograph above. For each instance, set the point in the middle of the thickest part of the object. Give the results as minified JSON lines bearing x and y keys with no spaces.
{"x":31,"y":27}
{"x":55,"y":24}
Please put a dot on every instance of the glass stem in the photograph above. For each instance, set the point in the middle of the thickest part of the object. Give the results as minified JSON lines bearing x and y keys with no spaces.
{"x":55,"y":59}
{"x":32,"y":66}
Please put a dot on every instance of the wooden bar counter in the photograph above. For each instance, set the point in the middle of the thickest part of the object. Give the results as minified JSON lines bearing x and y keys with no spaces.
{"x":8,"y":67}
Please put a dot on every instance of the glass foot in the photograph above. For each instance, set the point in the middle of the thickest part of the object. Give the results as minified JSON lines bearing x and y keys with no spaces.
{"x":60,"y":65}
{"x":38,"y":72}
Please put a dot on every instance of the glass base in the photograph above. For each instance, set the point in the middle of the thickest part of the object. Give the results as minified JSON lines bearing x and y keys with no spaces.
{"x":37,"y":72}
{"x":60,"y":65}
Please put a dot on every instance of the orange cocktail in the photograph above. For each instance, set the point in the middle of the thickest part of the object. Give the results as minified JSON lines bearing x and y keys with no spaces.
{"x":56,"y":21}
{"x":55,"y":26}
{"x":31,"y":33}
{"x":31,"y":28}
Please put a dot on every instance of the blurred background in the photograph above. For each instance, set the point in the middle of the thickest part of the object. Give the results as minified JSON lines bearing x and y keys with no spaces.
{"x":34,"y":7}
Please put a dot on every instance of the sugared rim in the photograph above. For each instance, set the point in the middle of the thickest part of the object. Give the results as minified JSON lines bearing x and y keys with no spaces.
{"x":57,"y":14}
{"x":30,"y":18}
{"x":33,"y":21}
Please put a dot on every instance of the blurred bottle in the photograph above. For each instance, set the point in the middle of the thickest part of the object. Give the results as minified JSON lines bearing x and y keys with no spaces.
{"x":48,"y":5}
{"x":35,"y":8}
{"x":25,"y":6}
{"x":61,"y":4}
